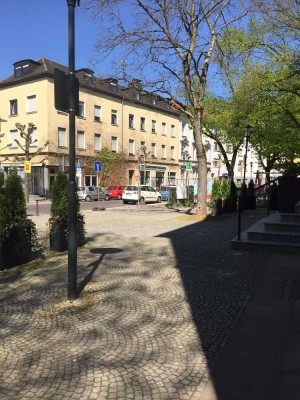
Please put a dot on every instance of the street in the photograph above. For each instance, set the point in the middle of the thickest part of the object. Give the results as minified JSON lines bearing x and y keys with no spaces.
{"x":44,"y":205}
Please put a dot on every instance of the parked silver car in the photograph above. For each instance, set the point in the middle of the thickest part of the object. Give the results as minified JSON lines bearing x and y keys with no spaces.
{"x":90,"y":193}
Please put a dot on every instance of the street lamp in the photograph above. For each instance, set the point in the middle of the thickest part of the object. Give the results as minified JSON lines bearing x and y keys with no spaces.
{"x":248,"y":133}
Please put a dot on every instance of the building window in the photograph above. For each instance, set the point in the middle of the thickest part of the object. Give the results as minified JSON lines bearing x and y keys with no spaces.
{"x":97,"y":142}
{"x":21,"y":70}
{"x":81,"y":109}
{"x":153,"y":126}
{"x":163,"y":151}
{"x":97,"y":113}
{"x":80,"y":140}
{"x":13,"y":136}
{"x":153,"y":149}
{"x":114,"y":144}
{"x":62,"y":137}
{"x":113,"y":87}
{"x":142,"y":143}
{"x":143,"y":124}
{"x":13,"y":107}
{"x":131,"y":147}
{"x":131,"y":121}
{"x":173,"y":131}
{"x":163,"y":129}
{"x":114,"y":117}
{"x":31,"y":104}
{"x":172,"y":153}
{"x":34,"y":138}
{"x":216,"y":147}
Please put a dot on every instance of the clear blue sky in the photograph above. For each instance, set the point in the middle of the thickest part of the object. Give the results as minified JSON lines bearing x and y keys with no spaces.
{"x":39,"y":28}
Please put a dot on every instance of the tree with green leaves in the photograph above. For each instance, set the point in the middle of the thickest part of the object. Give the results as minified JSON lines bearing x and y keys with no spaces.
{"x":168,"y":45}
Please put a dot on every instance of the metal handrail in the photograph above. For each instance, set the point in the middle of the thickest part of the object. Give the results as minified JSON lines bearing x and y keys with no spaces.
{"x":240,"y":201}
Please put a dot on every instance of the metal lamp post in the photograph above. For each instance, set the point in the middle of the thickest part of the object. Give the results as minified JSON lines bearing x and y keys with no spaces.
{"x":72,"y":212}
{"x":241,"y":191}
{"x":248,"y":133}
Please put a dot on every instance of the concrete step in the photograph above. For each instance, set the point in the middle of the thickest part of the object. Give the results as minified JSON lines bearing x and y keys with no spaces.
{"x":271,"y":234}
{"x":284,"y":248}
{"x":282,"y":227}
{"x":276,"y":237}
{"x":290,"y":217}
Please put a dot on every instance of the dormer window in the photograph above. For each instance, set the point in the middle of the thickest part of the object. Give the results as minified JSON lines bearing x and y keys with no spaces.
{"x":113,"y":87}
{"x":88,"y":78}
{"x":154,"y":101}
{"x":21,"y":70}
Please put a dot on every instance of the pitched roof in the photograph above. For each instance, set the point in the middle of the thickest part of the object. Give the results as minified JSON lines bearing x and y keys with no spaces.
{"x":132,"y":93}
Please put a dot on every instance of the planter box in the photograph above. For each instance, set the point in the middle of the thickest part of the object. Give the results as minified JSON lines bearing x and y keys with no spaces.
{"x":16,"y":248}
{"x":217,"y":208}
{"x":58,"y":240}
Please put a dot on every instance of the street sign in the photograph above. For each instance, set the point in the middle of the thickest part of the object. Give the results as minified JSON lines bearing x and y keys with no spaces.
{"x":97,"y":166}
{"x":188,"y":166}
{"x":78,"y":165}
{"x":27,"y":167}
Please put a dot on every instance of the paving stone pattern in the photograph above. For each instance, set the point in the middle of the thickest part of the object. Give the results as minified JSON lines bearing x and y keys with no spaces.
{"x":160,"y":297}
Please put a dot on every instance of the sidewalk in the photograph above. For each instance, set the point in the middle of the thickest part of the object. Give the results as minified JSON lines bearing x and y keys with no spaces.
{"x":162,"y":312}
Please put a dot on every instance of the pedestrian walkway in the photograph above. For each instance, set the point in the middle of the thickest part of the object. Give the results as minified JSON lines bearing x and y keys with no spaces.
{"x":162,"y":299}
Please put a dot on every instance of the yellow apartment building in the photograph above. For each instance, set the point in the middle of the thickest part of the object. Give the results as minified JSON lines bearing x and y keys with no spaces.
{"x":125,"y":120}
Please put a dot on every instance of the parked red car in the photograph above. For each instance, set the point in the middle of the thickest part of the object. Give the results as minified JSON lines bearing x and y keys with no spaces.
{"x":115,"y":191}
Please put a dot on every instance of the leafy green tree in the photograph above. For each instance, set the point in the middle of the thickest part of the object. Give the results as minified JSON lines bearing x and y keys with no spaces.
{"x":169,"y":45}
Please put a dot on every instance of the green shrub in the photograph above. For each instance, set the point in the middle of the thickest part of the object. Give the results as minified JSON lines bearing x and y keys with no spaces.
{"x":13,"y":209}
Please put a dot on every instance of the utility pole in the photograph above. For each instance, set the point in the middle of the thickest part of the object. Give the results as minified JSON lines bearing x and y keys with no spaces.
{"x":72,"y":212}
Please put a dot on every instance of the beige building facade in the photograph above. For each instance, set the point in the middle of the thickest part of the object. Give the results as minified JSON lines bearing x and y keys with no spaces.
{"x":126,"y":120}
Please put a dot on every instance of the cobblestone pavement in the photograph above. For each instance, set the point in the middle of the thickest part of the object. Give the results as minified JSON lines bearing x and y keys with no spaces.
{"x":160,"y":294}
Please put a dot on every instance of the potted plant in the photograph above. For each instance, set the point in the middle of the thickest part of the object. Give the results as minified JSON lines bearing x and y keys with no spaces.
{"x":225,"y":193}
{"x":233,"y":196}
{"x":58,"y":222}
{"x":18,"y":234}
{"x":216,"y":200}
{"x":250,"y":200}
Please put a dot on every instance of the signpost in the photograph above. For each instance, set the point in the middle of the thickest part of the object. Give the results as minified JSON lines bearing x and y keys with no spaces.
{"x":98,"y":168}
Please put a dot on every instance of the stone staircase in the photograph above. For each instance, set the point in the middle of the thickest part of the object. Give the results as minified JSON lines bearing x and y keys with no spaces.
{"x":279,"y":232}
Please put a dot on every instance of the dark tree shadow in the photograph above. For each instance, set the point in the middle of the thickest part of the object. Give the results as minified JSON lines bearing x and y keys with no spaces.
{"x":103,"y":251}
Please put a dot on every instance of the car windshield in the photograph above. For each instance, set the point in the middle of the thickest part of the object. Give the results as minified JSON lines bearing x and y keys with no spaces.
{"x":131,"y":188}
{"x":80,"y":189}
{"x":112,"y":187}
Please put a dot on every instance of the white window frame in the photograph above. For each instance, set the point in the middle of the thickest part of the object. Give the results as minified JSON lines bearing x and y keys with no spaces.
{"x":143,"y":124}
{"x":173,"y":133}
{"x":131,"y":147}
{"x":114,"y":144}
{"x":153,"y":126}
{"x":13,"y":134}
{"x":80,"y":140}
{"x":81,"y":113}
{"x":97,"y":142}
{"x":62,"y":137}
{"x":114,"y":114}
{"x":172,"y":153}
{"x":163,"y":151}
{"x":13,"y":107}
{"x":164,"y":129}
{"x":97,"y":113}
{"x":153,"y":149}
{"x":31,"y":105}
{"x":131,"y":121}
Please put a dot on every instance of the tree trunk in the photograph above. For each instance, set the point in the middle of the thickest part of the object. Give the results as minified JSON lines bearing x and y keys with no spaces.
{"x":202,"y":168}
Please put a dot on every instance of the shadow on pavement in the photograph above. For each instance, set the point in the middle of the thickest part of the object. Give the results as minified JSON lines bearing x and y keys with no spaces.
{"x":95,"y":264}
{"x":218,"y":281}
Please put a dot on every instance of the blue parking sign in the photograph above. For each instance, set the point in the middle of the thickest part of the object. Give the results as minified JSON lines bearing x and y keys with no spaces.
{"x":98,"y":166}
